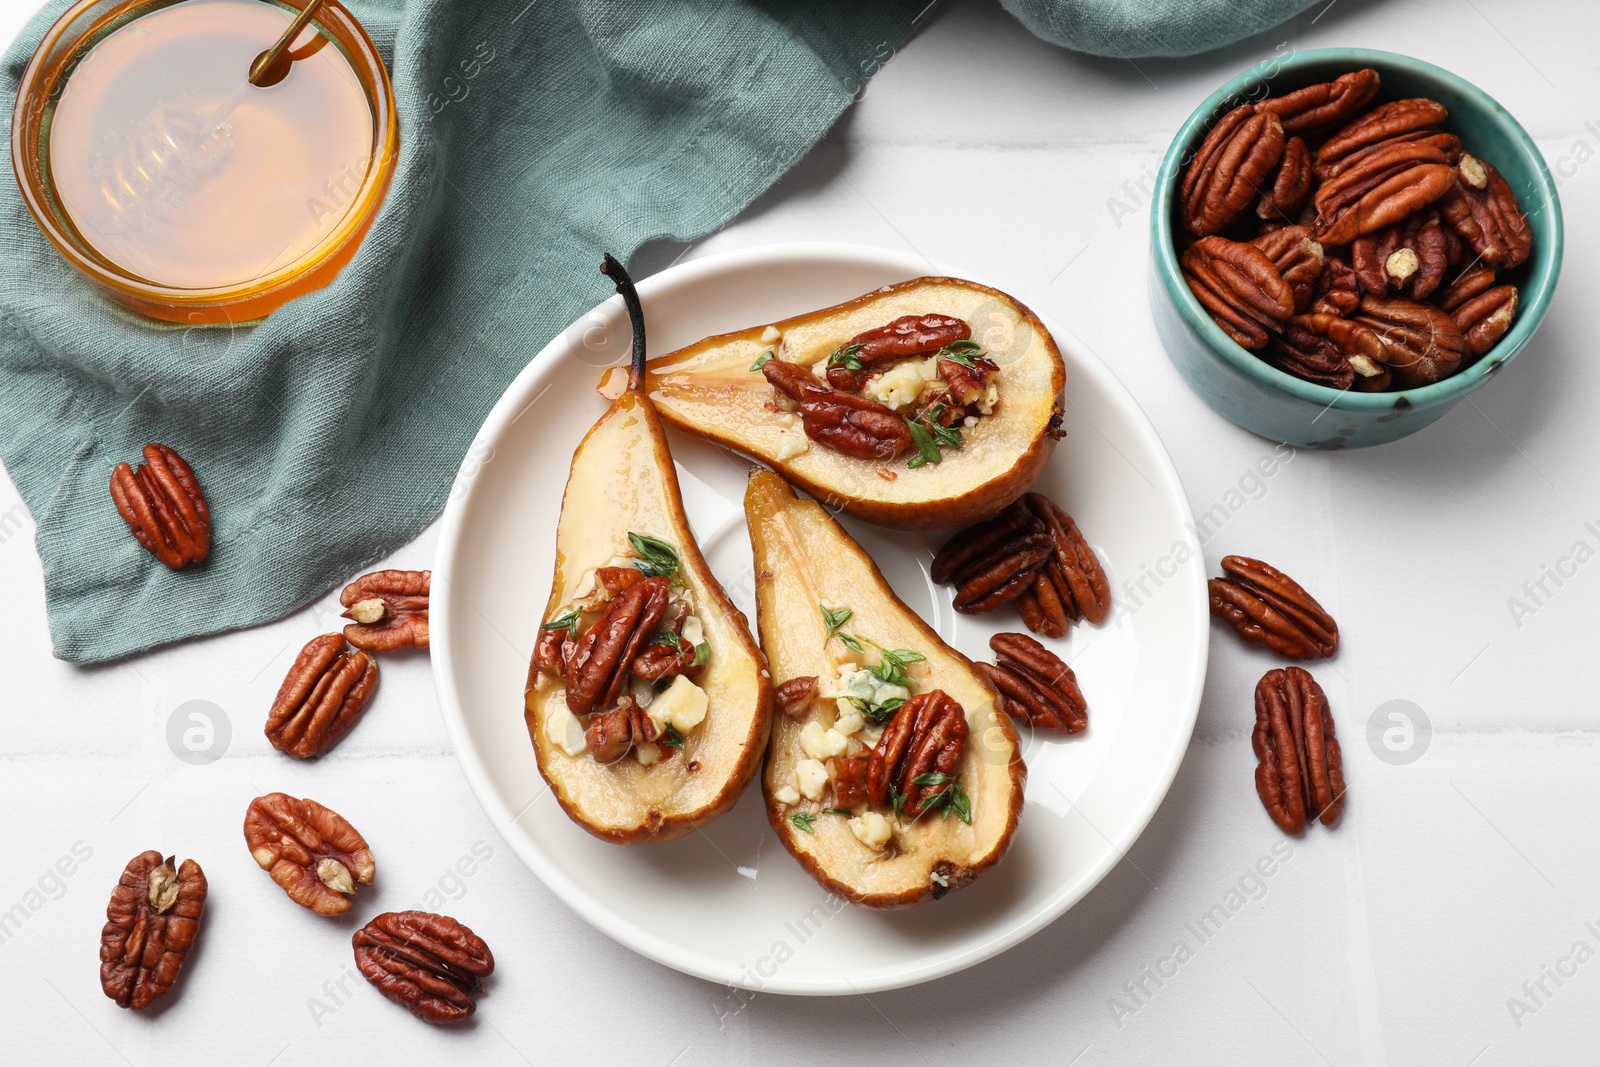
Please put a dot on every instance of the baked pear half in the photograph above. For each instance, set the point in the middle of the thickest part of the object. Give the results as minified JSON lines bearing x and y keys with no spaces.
{"x":924,"y":405}
{"x":890,"y":774}
{"x":648,"y":701}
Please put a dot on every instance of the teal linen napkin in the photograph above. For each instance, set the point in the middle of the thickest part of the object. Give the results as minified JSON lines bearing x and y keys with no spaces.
{"x":328,"y":435}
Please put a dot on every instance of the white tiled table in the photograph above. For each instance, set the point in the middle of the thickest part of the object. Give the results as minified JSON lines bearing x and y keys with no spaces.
{"x":1453,"y":884}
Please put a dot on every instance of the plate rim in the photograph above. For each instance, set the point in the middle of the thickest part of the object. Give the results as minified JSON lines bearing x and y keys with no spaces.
{"x":646,"y":942}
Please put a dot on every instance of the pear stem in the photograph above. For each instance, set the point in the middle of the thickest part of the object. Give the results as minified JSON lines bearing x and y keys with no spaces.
{"x":630,"y":297}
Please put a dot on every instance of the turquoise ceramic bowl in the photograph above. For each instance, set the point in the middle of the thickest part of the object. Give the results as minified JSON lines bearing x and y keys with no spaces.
{"x":1278,"y":406}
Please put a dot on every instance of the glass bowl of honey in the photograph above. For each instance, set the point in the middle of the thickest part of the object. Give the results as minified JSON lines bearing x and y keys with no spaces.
{"x":178,"y":187}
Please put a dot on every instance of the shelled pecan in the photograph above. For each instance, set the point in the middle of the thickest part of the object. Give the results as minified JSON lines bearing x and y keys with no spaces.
{"x":1379,"y":189}
{"x":1421,"y":344}
{"x":1073,"y":585}
{"x":1299,"y":259}
{"x":1035,"y":686}
{"x":1395,"y":122}
{"x":1330,"y":351}
{"x":1299,"y":771}
{"x":601,"y":660}
{"x":1240,"y":287}
{"x":848,"y":774}
{"x":1336,"y":291}
{"x":1408,"y":258}
{"x":993,"y":562}
{"x":857,"y":426}
{"x":1482,"y":309}
{"x":1267,"y":607}
{"x":321,"y":698}
{"x":313,"y":854}
{"x":661,"y":660}
{"x":926,"y":736}
{"x":795,"y":694}
{"x":151,"y":923}
{"x":431,"y":965}
{"x":1483,"y":210}
{"x":1235,"y":162}
{"x":909,"y":335}
{"x":162,"y":504}
{"x":388,"y":610}
{"x":1290,"y":190}
{"x":1323,"y":106}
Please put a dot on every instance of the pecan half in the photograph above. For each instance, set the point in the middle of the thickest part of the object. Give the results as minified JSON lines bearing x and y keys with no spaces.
{"x":1291,"y":186}
{"x":1267,"y":607}
{"x":1233,"y":165}
{"x":1482,"y":309}
{"x":1409,"y":257}
{"x":1299,"y":259}
{"x":1384,"y":187}
{"x":1035,"y":686}
{"x":659,"y":660}
{"x":428,"y":964}
{"x":151,"y":923}
{"x":1325,"y":105}
{"x":1482,"y":208}
{"x":601,"y":660}
{"x":388,"y":610}
{"x":1336,"y":291}
{"x":1331,"y":351}
{"x":967,"y":384}
{"x":1074,"y":576}
{"x":795,"y":694}
{"x":1299,"y":772}
{"x":926,"y":736}
{"x":1239,"y":287}
{"x":1393,"y":121}
{"x":857,"y":426}
{"x":1421,"y":344}
{"x":313,"y":854}
{"x":992,"y":562}
{"x":849,"y":777}
{"x":162,"y":504}
{"x":909,"y":335}
{"x":321,"y":698}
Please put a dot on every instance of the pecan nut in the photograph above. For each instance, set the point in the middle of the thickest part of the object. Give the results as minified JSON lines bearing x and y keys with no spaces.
{"x":1336,"y":292}
{"x":1421,"y":344}
{"x":1331,"y":351}
{"x":1482,"y":208}
{"x":1396,"y":121}
{"x":794,"y":695}
{"x":994,"y":561}
{"x":1299,"y":259}
{"x":1267,"y":607}
{"x":1074,"y":578}
{"x":1291,"y":186}
{"x":925,"y":737}
{"x":151,"y":923}
{"x":1299,"y":770}
{"x":388,"y":610}
{"x":162,"y":504}
{"x":857,"y":426}
{"x":431,"y":965}
{"x":662,"y":660}
{"x":1035,"y":686}
{"x":1234,"y":163}
{"x":909,"y":335}
{"x":313,"y":854}
{"x":848,"y":775}
{"x":1239,"y":287}
{"x":1409,"y":257}
{"x":1325,"y":105}
{"x":1384,"y":187}
{"x":601,"y":660}
{"x":1484,"y":311}
{"x":321,"y":698}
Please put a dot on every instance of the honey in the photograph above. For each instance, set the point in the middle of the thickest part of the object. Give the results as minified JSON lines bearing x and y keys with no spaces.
{"x":172,"y":165}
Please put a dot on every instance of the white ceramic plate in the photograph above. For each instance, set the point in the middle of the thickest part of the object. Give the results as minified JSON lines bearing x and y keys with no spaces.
{"x":728,"y":903}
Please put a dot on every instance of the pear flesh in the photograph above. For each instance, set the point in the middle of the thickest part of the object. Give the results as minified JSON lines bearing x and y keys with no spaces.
{"x":715,"y":389}
{"x":804,"y":562}
{"x":623,"y":481}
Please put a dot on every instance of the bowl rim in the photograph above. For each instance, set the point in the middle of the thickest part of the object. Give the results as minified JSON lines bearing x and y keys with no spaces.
{"x":1534,"y":297}
{"x":332,"y":19}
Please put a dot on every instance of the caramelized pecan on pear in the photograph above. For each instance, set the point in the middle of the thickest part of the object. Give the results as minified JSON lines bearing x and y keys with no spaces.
{"x":905,"y":337}
{"x":912,"y":770}
{"x":1235,"y":162}
{"x":601,"y":659}
{"x":1240,"y":287}
{"x":856,"y":426}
